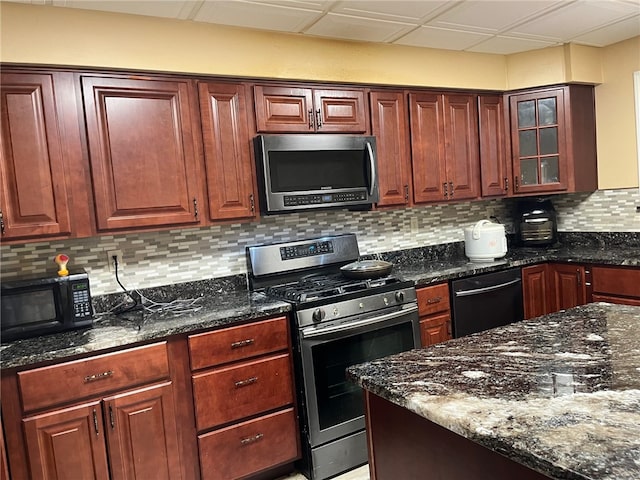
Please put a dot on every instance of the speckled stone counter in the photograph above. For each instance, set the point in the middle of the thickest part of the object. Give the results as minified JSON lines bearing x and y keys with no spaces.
{"x":214,"y":309}
{"x":559,"y":394}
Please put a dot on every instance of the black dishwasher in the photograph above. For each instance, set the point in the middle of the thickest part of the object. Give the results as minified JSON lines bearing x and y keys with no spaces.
{"x":486,"y":301}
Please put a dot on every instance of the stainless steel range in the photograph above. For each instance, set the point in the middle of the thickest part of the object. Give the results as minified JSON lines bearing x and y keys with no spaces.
{"x":338,"y":322}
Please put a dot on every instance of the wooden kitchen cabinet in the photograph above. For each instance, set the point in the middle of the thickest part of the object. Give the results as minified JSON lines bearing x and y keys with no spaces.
{"x":300,"y":109}
{"x":434,"y":310}
{"x":568,"y":285}
{"x":553,"y":140}
{"x":244,"y":399}
{"x":444,"y":147}
{"x":143,"y":151}
{"x":616,"y":285}
{"x":112,"y":416}
{"x":227,"y":147}
{"x":536,"y":290}
{"x":494,"y":163}
{"x":389,"y":124}
{"x":37,"y":152}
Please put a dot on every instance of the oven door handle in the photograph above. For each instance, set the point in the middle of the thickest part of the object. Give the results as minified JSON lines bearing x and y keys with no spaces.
{"x":477,"y":291}
{"x":317,"y":332}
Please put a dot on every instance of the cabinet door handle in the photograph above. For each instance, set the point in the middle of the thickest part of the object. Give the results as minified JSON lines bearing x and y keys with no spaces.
{"x":406,"y":193}
{"x":1,"y":223}
{"x":434,"y":300}
{"x":242,"y":343}
{"x":516,"y":183}
{"x":195,"y":208}
{"x":450,"y":189}
{"x":253,"y":439}
{"x":95,"y":422}
{"x":244,"y":383}
{"x":579,"y":277}
{"x":506,"y":184}
{"x":310,"y":112}
{"x":111,"y":419}
{"x":318,"y":119}
{"x":252,"y":203}
{"x":444,"y":187}
{"x":98,"y":376}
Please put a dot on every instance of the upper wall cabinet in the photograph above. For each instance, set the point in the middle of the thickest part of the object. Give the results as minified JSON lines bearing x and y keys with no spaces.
{"x":389,"y":123}
{"x":34,"y":150}
{"x":495,"y":168}
{"x":444,"y":146}
{"x":553,"y":140}
{"x":306,"y":110}
{"x":228,"y":164}
{"x":142,"y":148}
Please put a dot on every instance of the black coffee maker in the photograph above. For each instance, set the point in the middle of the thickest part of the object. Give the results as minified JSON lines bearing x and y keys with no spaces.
{"x":536,"y":225}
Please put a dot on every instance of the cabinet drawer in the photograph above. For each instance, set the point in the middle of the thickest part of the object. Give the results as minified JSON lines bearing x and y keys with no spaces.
{"x":72,"y":381}
{"x":238,"y":343}
{"x":616,"y":281}
{"x":433,"y":299}
{"x":249,"y":447}
{"x":230,"y":393}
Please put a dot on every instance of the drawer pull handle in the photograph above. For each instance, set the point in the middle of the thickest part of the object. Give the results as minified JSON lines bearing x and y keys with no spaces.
{"x":433,"y":300}
{"x":249,"y":440}
{"x":244,"y":383}
{"x":243,"y":343}
{"x":98,"y":376}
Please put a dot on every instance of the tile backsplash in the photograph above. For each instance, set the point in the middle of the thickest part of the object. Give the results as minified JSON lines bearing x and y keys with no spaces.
{"x":160,"y":258}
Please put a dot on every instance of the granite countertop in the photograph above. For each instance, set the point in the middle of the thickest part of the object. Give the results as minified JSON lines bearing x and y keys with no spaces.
{"x":226,"y":301}
{"x":109,"y":330}
{"x":559,"y":393}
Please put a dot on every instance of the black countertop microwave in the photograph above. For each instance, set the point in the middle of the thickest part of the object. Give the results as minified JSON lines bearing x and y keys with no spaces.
{"x":302,"y":172}
{"x":37,"y":305}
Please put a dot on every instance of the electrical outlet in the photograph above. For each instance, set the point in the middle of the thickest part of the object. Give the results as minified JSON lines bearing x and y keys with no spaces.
{"x":414,"y":224}
{"x":118,"y":255}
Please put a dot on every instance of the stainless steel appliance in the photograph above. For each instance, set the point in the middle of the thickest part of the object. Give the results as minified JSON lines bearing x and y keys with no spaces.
{"x":486,"y":301}
{"x":537,"y":223}
{"x":302,"y":172}
{"x":338,"y":321}
{"x":37,"y":305}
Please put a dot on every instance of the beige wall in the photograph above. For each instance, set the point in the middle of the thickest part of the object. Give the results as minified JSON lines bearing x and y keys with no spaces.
{"x":615,"y":116}
{"x":51,"y":35}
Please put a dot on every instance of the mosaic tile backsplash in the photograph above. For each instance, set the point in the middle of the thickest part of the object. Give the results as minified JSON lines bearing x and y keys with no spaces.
{"x":161,"y":258}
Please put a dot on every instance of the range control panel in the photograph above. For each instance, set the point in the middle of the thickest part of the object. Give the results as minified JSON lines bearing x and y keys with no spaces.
{"x":306,"y":250}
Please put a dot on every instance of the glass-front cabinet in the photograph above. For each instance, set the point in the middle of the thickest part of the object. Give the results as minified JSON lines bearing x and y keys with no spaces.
{"x":538,"y":140}
{"x":553,"y":139}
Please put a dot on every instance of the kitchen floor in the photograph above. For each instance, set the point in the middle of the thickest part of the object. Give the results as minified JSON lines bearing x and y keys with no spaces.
{"x":361,"y":473}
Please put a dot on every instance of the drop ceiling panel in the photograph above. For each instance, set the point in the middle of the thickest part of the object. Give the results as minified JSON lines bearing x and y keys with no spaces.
{"x":166,"y":9}
{"x":576,"y":18}
{"x":434,"y":37}
{"x":256,"y":15}
{"x":492,"y":16}
{"x":411,"y":11}
{"x":611,"y":34}
{"x":357,"y":28}
{"x":507,"y":45}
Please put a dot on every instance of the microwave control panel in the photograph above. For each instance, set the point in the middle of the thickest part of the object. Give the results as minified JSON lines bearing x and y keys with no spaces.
{"x":319,"y":199}
{"x":81,"y":299}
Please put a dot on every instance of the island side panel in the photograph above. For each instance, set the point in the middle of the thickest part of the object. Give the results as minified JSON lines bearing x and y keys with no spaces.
{"x":404,"y":445}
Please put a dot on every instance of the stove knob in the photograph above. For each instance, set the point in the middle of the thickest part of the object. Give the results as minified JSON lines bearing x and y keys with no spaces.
{"x":318,"y":315}
{"x":399,"y":297}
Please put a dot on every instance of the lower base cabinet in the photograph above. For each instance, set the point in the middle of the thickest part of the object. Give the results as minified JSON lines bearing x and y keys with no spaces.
{"x":248,"y":447}
{"x":434,"y":310}
{"x":536,"y":291}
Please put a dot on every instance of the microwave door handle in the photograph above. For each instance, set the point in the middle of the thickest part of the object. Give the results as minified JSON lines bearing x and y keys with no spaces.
{"x":372,"y":163}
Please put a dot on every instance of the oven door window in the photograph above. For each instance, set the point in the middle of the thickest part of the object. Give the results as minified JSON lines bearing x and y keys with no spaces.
{"x":339,"y":400}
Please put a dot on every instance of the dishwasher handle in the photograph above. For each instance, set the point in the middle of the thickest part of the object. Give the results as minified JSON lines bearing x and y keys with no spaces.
{"x":478,"y":291}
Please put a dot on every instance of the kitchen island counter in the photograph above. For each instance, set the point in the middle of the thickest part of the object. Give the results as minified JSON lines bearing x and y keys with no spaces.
{"x":559,"y":394}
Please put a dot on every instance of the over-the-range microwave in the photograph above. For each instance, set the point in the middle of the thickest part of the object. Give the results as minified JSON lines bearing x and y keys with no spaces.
{"x":301,"y":172}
